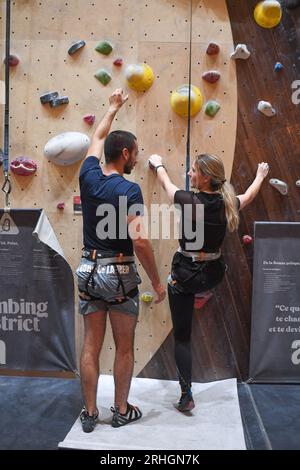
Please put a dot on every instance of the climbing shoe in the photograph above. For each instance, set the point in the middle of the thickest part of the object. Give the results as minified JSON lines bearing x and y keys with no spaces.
{"x":132,"y":414}
{"x":88,"y":422}
{"x":186,"y":402}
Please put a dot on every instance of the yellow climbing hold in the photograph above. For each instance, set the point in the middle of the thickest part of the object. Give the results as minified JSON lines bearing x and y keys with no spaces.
{"x":147,"y":297}
{"x":180,"y":100}
{"x":140,"y":77}
{"x":268,"y":13}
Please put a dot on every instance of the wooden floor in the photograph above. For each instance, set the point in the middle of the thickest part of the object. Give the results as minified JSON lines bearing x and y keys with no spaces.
{"x":221,"y":330}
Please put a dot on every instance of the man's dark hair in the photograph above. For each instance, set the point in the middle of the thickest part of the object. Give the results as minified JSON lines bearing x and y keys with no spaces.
{"x":115,"y":142}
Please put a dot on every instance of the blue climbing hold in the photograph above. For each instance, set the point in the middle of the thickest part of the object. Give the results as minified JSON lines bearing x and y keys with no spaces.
{"x":278,"y":66}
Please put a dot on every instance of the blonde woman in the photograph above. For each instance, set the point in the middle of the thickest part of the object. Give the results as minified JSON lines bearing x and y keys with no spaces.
{"x":196,"y":271}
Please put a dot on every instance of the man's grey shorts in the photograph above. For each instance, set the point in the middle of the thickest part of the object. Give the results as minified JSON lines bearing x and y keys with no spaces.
{"x":105,"y":283}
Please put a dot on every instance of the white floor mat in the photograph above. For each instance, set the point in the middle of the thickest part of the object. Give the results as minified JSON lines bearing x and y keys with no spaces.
{"x":215,"y":422}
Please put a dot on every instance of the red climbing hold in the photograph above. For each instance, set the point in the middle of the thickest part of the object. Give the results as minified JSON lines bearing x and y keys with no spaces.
{"x":118,"y":62}
{"x":61,"y":205}
{"x":211,"y":77}
{"x":213,"y":48}
{"x":89,"y":119}
{"x":247,"y":240}
{"x":23,"y":166}
{"x":13,"y":60}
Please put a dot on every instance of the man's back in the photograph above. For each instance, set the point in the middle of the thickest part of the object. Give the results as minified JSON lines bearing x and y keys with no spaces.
{"x":98,"y":189}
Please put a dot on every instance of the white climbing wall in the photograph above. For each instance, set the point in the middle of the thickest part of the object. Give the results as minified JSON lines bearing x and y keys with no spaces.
{"x":152,"y":31}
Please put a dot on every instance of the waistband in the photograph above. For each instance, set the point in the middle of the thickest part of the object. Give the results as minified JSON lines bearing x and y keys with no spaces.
{"x":94,"y":255}
{"x":200,"y":255}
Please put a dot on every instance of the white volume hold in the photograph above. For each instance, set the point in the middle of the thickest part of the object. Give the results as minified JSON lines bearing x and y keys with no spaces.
{"x":281,"y":186}
{"x":67,"y":148}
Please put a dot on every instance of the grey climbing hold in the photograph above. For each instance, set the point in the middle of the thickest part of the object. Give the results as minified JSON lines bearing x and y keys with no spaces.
{"x":212,"y":107}
{"x":59,"y":101}
{"x":266,"y":108}
{"x":104,"y":47}
{"x":48,"y":97}
{"x":241,"y":52}
{"x":103,"y":76}
{"x":76,"y":46}
{"x":281,"y":186}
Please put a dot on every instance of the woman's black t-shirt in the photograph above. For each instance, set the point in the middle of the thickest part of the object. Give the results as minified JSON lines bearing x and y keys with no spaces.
{"x":214,"y":218}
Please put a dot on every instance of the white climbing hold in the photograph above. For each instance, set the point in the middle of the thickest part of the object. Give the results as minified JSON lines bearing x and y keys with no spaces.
{"x":241,"y":52}
{"x":281,"y":186}
{"x":298,"y":183}
{"x":67,"y":148}
{"x":266,"y":108}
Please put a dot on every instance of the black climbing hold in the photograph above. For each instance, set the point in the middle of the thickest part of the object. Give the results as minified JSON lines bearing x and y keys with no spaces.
{"x":75,"y":47}
{"x":59,"y":101}
{"x":48,"y":97}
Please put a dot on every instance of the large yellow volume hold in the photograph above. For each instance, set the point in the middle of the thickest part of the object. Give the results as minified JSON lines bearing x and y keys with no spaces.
{"x":268,"y":13}
{"x":180,"y":100}
{"x":140,"y":77}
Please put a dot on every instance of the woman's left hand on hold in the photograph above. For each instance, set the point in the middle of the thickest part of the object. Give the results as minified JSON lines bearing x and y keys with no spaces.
{"x":154,"y":161}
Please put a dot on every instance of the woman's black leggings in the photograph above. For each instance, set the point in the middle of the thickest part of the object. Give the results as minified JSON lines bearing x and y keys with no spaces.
{"x":182,"y":308}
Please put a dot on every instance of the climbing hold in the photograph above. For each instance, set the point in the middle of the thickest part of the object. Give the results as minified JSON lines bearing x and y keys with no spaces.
{"x":268,"y":13}
{"x":241,"y":52}
{"x":104,"y":47}
{"x":118,"y":62}
{"x":281,"y":186}
{"x":59,"y":101}
{"x":211,"y":77}
{"x":48,"y":97}
{"x":67,"y":148}
{"x":266,"y":108}
{"x":278,"y":66}
{"x":211,"y":108}
{"x":180,"y":100}
{"x":140,"y":77}
{"x":61,"y":206}
{"x":298,"y":183}
{"x":23,"y":166}
{"x":13,"y":60}
{"x":147,"y":297}
{"x":247,"y":240}
{"x":213,"y":48}
{"x":89,"y":119}
{"x":103,"y":76}
{"x":76,"y":46}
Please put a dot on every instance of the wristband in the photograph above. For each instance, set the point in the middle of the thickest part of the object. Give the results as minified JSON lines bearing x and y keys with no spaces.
{"x":158,"y":166}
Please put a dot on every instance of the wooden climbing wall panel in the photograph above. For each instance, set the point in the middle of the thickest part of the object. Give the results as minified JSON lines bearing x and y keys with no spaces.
{"x":152,"y":31}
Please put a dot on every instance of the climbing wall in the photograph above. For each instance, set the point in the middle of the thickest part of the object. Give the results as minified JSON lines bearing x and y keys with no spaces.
{"x":151,"y":31}
{"x":221,"y":329}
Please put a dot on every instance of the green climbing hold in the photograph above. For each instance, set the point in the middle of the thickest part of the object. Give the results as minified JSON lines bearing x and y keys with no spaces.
{"x":104,"y":47}
{"x":212,"y":107}
{"x":103,"y":76}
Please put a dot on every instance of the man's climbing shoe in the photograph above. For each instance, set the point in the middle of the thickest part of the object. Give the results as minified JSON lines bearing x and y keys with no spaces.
{"x":132,"y":414}
{"x":186,"y":402}
{"x":88,"y":422}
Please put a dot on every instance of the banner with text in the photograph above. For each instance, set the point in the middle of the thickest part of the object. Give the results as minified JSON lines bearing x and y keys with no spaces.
{"x":275,"y":328}
{"x":37,"y":324}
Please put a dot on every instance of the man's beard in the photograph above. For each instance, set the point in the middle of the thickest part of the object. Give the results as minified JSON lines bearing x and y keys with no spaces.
{"x":127,"y":169}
